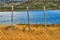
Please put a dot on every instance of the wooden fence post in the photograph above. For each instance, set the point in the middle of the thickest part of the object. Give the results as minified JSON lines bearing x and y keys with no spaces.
{"x":28,"y":18}
{"x":45,"y":18}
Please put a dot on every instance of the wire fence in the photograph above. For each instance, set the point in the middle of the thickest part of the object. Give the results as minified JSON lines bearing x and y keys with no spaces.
{"x":38,"y":14}
{"x":45,"y":8}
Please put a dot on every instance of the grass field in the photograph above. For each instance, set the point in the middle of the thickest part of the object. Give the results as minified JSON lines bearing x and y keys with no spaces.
{"x":20,"y":32}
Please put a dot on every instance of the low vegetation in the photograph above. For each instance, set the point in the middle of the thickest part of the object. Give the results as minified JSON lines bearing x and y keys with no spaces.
{"x":20,"y":32}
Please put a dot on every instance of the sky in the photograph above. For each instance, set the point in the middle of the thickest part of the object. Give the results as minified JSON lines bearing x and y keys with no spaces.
{"x":19,"y":0}
{"x":11,"y":0}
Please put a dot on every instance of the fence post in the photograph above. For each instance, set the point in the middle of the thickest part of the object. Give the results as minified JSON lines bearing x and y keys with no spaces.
{"x":12,"y":17}
{"x":28,"y":18}
{"x":45,"y":18}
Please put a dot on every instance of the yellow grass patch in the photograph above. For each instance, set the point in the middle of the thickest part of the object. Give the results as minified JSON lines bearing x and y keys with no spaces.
{"x":20,"y":32}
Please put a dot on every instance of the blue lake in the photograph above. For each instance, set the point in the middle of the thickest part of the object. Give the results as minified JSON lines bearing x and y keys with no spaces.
{"x":36,"y":17}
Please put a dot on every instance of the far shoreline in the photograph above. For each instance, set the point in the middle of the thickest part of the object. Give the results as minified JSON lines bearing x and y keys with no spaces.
{"x":25,"y":10}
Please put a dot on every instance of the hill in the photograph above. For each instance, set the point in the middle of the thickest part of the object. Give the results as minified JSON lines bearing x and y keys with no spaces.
{"x":33,"y":5}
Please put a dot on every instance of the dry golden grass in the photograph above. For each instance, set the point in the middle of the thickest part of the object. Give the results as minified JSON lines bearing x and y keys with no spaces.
{"x":20,"y":32}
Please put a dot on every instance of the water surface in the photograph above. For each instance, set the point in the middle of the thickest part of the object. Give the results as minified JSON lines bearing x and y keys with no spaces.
{"x":36,"y":17}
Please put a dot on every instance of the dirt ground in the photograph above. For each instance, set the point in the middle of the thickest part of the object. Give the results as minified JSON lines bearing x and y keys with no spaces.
{"x":37,"y":32}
